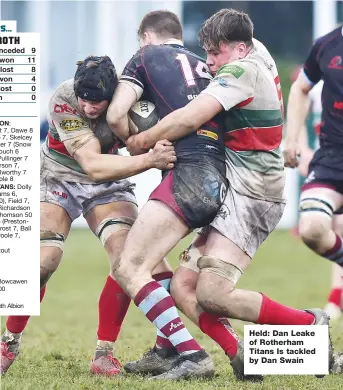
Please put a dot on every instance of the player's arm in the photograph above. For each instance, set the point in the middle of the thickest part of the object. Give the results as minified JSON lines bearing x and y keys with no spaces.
{"x":297,"y":111}
{"x":298,"y":107}
{"x":128,"y":92}
{"x":178,"y":124}
{"x":84,"y":147}
{"x":106,"y":167}
{"x":231,"y":86}
{"x":123,"y":99}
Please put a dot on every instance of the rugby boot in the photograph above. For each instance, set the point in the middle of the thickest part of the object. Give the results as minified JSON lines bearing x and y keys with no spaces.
{"x":156,"y":361}
{"x":193,"y":365}
{"x":337,"y":366}
{"x":237,"y":364}
{"x":104,"y":363}
{"x":321,"y":318}
{"x":9,"y":350}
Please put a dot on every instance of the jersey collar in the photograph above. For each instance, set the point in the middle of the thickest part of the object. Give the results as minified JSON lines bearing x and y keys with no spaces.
{"x":173,"y":41}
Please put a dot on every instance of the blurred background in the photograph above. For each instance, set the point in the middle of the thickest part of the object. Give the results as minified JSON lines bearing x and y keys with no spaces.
{"x":71,"y":30}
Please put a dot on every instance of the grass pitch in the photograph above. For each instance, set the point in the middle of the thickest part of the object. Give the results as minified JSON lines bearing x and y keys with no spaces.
{"x":58,"y":346}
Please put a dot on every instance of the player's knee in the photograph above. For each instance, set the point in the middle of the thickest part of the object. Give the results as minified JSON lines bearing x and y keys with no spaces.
{"x":312,"y":231}
{"x":51,"y":250}
{"x":315,"y":220}
{"x":48,"y":265}
{"x":216,"y":278}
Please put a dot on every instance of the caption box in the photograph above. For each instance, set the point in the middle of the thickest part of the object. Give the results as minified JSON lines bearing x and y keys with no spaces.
{"x":286,"y":350}
{"x":19,"y":171}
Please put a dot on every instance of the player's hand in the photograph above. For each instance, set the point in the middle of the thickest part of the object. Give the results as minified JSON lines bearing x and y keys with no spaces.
{"x":304,"y":161}
{"x":134,"y":145}
{"x":163,"y":155}
{"x":291,"y":153}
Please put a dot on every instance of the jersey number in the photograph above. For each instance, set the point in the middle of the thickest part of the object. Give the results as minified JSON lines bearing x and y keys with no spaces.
{"x":201,"y":70}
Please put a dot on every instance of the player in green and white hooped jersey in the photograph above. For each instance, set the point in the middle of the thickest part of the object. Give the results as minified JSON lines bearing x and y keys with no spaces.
{"x":246,"y":92}
{"x":82,"y":173}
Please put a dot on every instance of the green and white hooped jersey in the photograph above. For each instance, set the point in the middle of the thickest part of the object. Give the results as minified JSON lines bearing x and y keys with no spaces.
{"x":249,"y":91}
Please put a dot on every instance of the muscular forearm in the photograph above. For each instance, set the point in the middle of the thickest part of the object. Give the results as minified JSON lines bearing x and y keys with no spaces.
{"x":119,"y":126}
{"x":173,"y":127}
{"x":123,"y":99}
{"x":105,"y":167}
{"x":297,"y":111}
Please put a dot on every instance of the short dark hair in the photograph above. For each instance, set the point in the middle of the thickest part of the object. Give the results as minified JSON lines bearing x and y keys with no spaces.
{"x":227,"y":25}
{"x":163,"y":23}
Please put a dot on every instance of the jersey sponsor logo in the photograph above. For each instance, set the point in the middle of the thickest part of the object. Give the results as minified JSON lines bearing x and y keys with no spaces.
{"x":234,"y":70}
{"x":72,"y":124}
{"x":336,"y":63}
{"x":338,"y":105}
{"x":64,"y":108}
{"x":191,"y":97}
{"x":209,"y":134}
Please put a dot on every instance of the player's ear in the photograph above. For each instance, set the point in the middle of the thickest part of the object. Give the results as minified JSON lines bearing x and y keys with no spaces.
{"x":145,"y":39}
{"x":241,"y":50}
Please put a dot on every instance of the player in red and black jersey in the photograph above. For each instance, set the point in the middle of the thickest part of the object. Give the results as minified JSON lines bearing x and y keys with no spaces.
{"x":171,"y":76}
{"x":322,"y":193}
{"x":189,"y":196}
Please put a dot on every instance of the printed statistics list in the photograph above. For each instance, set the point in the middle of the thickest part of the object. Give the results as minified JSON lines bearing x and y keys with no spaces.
{"x":19,"y":171}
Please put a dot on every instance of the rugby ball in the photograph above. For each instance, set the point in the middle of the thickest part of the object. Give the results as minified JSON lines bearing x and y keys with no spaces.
{"x":142,"y":116}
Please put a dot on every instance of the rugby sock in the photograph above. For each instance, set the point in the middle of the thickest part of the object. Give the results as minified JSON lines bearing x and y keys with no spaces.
{"x":158,"y":306}
{"x":273,"y":313}
{"x":221,"y":331}
{"x":113,"y":306}
{"x":163,"y":279}
{"x":16,"y":324}
{"x":336,"y":296}
{"x":336,"y":253}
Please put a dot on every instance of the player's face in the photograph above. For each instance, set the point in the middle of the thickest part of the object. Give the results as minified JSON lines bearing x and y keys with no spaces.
{"x":92,"y":109}
{"x":223,"y":55}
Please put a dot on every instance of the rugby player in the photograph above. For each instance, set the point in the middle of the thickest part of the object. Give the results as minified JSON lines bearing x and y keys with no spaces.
{"x":322,"y":193}
{"x":189,"y":196}
{"x":246,"y":90}
{"x":334,"y":304}
{"x":81,"y":172}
